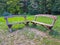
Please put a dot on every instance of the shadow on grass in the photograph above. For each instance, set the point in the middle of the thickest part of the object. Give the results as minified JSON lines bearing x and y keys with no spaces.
{"x":55,"y":34}
{"x":17,"y":27}
{"x":13,"y":30}
{"x":38,"y":27}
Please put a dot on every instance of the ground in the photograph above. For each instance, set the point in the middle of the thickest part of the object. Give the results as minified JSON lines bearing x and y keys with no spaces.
{"x":31,"y":36}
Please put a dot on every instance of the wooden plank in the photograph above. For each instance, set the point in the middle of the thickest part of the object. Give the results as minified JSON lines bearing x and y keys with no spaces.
{"x":17,"y":23}
{"x":41,"y":23}
{"x":6,"y":20}
{"x":15,"y":16}
{"x":47,"y":15}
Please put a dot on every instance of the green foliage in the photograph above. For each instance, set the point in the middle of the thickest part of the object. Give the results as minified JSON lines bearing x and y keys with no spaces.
{"x":30,"y":6}
{"x":56,"y":7}
{"x":13,"y":6}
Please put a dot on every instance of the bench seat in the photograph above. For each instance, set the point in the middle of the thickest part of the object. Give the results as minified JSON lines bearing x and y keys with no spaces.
{"x":41,"y":23}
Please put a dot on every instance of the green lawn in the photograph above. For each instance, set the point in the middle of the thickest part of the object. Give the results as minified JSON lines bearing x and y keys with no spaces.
{"x":56,"y":27}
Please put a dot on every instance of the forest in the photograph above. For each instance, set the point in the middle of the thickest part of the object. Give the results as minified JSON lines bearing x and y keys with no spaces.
{"x":30,"y":6}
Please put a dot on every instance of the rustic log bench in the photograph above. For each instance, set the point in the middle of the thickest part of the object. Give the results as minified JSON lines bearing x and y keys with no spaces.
{"x":48,"y":26}
{"x":10,"y":24}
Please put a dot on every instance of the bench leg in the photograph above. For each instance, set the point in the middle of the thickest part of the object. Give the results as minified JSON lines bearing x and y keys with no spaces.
{"x":49,"y":28}
{"x":34,"y":24}
{"x":27,"y":23}
{"x":9,"y":26}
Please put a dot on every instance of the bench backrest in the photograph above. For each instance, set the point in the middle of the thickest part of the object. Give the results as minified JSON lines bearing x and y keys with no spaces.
{"x":47,"y":15}
{"x":6,"y":18}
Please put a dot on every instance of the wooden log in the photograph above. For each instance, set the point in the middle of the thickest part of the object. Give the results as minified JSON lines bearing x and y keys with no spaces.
{"x":9,"y":25}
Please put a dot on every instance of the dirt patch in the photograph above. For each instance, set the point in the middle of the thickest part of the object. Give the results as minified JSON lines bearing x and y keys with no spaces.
{"x":25,"y":36}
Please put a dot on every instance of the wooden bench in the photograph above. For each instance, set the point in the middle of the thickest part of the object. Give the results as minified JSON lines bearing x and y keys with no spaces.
{"x":10,"y":24}
{"x":48,"y":26}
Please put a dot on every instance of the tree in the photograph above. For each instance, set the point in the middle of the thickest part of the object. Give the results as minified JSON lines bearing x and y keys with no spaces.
{"x":2,"y":6}
{"x":30,"y":6}
{"x":56,"y":7}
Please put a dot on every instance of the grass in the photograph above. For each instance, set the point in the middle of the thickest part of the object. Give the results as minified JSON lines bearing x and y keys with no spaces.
{"x":49,"y":42}
{"x":29,"y":34}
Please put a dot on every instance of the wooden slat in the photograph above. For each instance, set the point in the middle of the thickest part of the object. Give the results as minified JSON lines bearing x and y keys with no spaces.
{"x":15,"y":16}
{"x":17,"y":23}
{"x":47,"y":15}
{"x":41,"y":23}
